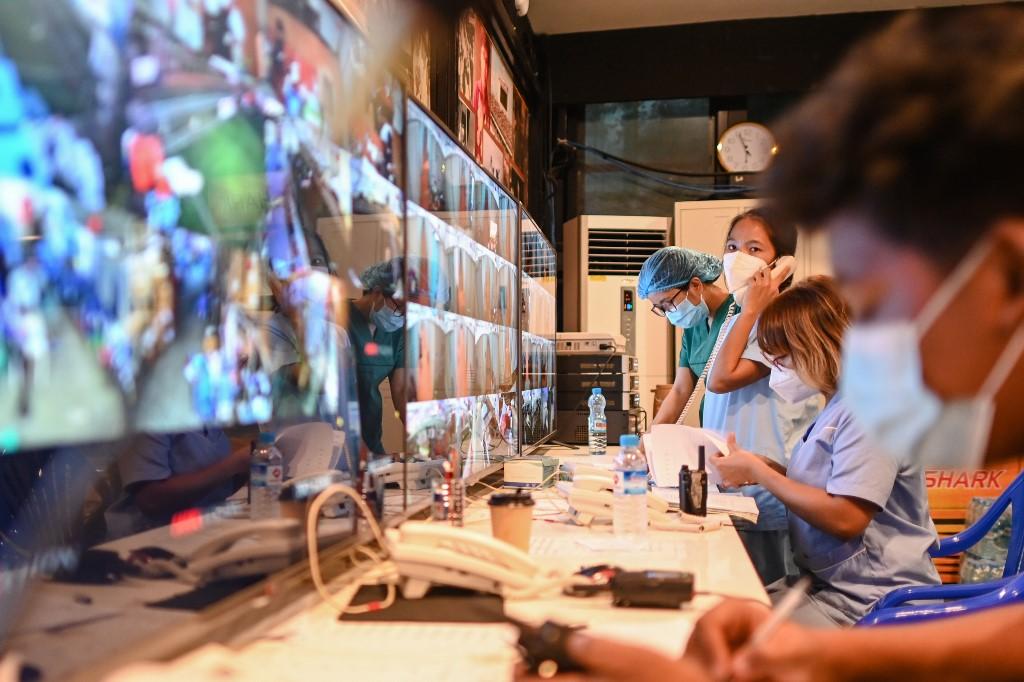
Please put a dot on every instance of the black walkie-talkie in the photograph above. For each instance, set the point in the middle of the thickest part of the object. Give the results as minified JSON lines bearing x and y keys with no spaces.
{"x":693,"y":487}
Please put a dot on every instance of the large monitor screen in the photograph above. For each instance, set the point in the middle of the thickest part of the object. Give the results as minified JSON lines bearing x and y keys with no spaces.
{"x":463,"y":286}
{"x":181,"y":185}
{"x":201,"y":237}
{"x":539,"y":319}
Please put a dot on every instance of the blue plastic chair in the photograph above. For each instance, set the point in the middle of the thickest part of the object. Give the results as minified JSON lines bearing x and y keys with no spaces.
{"x":959,"y":599}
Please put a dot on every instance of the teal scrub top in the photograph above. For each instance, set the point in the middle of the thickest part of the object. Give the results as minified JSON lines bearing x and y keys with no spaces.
{"x":377,"y":355}
{"x":699,"y":340}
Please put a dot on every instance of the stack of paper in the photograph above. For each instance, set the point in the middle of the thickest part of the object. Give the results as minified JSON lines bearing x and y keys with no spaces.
{"x":735,"y":505}
{"x":670,"y":446}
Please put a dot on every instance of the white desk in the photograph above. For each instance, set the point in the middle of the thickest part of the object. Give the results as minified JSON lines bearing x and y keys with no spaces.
{"x":314,"y":645}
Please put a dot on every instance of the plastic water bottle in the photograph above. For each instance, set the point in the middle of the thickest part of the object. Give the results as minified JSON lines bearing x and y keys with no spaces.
{"x":629,"y":511}
{"x":266,"y":476}
{"x":597,"y":423}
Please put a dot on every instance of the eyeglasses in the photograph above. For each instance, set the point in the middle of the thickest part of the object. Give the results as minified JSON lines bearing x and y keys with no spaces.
{"x":663,"y":309}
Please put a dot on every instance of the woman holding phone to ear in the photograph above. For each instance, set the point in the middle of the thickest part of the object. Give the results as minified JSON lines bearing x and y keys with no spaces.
{"x":758,"y":262}
{"x":858,"y":519}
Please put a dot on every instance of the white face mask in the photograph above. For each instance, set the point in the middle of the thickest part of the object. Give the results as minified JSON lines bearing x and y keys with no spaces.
{"x":789,"y":386}
{"x":739,"y":268}
{"x":883,"y":383}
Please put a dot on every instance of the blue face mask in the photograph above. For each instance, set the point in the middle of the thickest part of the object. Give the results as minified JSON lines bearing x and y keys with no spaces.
{"x":387,"y":319}
{"x":688,"y":314}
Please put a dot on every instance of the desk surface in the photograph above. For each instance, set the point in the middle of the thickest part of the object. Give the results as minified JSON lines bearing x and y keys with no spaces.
{"x":314,"y":645}
{"x":69,"y":627}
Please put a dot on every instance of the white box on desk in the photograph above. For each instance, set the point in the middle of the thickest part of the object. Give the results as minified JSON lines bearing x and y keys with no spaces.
{"x":530,"y":472}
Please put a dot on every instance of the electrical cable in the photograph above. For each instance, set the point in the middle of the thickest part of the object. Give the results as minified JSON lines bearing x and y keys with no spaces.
{"x":312,"y":547}
{"x":635,"y":169}
{"x":652,"y":169}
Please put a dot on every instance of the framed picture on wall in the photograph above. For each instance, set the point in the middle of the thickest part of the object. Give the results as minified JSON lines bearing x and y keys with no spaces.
{"x":467,"y":39}
{"x":420,"y":76}
{"x":493,"y":119}
{"x":466,"y":129}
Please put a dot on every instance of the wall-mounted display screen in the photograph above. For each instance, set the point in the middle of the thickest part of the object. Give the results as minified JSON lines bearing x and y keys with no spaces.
{"x":201,"y":238}
{"x":539,"y":319}
{"x":463,"y":285}
{"x":179,"y":191}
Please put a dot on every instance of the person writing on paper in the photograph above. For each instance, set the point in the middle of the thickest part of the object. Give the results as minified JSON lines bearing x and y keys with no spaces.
{"x":759,"y":246}
{"x":680,"y":284}
{"x":904,"y":234}
{"x":859,"y":520}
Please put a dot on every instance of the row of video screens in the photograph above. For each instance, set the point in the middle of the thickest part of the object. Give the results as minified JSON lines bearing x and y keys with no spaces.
{"x":197,"y":199}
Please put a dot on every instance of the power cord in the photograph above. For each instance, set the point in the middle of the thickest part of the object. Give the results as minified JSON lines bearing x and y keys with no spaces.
{"x":639,"y":170}
{"x":379,"y":561}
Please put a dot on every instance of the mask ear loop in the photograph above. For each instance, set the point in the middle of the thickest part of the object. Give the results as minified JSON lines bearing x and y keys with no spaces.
{"x":1004,"y":365}
{"x":941,"y":299}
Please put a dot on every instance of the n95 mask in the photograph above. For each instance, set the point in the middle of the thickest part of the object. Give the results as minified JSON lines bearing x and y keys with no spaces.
{"x":739,"y":268}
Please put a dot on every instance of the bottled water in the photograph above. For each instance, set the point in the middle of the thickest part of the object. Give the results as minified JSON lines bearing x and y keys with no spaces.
{"x":597,"y":423}
{"x":629,"y":510}
{"x":266,"y":476}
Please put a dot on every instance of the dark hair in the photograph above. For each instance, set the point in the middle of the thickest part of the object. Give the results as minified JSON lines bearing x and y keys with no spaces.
{"x":781,"y":232}
{"x":806,"y":324}
{"x":920,"y":131}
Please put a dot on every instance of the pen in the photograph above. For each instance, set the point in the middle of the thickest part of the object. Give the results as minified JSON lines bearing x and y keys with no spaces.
{"x":782,"y":611}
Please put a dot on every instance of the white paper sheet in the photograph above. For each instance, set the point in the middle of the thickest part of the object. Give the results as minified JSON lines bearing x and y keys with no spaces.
{"x":670,"y":446}
{"x":737,"y":505}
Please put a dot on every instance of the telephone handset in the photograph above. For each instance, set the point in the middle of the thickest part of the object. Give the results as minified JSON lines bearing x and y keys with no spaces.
{"x":429,"y":553}
{"x":246,"y":548}
{"x":783,"y":268}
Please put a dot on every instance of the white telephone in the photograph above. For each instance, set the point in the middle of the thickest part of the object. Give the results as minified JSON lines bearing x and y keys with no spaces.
{"x":433,"y":554}
{"x":781,"y":270}
{"x":591,"y":497}
{"x":246,"y":548}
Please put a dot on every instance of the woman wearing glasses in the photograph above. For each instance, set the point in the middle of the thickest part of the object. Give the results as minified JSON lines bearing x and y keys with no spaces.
{"x":680,"y":284}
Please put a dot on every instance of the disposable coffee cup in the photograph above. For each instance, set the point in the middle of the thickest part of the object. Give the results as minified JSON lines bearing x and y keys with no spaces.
{"x":512,"y":518}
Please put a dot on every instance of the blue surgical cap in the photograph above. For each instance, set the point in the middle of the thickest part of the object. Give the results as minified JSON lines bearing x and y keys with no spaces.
{"x":386,"y":276}
{"x":673,"y":267}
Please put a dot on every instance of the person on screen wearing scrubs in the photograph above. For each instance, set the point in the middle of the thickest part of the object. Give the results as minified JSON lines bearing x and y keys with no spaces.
{"x":680,"y":284}
{"x":858,"y":518}
{"x":909,"y":158}
{"x":376,"y":326}
{"x":740,"y":398}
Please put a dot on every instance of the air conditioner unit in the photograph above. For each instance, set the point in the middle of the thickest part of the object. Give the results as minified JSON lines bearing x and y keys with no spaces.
{"x":602,"y":260}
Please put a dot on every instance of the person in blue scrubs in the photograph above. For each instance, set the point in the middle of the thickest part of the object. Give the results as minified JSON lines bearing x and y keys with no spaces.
{"x":680,"y":284}
{"x":162,"y":474}
{"x":740,"y":398}
{"x":859,"y":519}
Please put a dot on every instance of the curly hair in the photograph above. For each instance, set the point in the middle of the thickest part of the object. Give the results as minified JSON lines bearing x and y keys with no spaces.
{"x":920,"y":131}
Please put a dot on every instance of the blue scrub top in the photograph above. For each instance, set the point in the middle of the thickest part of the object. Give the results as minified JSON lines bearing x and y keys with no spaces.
{"x":763,"y":423}
{"x":850,"y":576}
{"x":157,"y":457}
